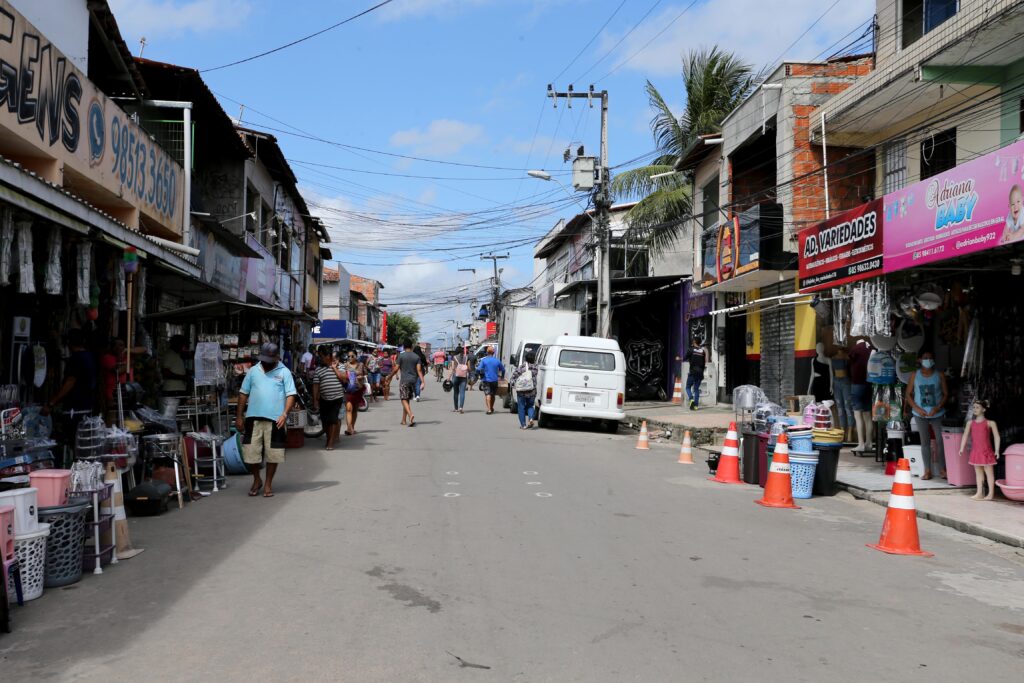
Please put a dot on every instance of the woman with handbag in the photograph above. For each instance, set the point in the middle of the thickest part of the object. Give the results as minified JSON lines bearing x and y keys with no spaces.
{"x":524,"y":381}
{"x":459,"y":377}
{"x":354,"y":389}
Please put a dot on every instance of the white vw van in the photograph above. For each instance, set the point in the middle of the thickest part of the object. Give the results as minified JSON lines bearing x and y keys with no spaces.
{"x":581,"y":377}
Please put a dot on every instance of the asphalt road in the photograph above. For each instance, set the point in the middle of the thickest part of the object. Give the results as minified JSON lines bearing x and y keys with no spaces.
{"x":464,"y":549}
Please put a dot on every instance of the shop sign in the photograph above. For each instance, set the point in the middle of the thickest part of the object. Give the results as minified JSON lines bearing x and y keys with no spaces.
{"x":970,"y":208}
{"x":383,"y":327}
{"x":699,"y":305}
{"x":261,"y":272}
{"x":727,"y":252}
{"x":845,"y":248}
{"x":48,"y":103}
{"x":219,"y":267}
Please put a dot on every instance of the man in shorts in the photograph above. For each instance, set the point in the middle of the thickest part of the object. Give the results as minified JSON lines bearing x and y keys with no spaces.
{"x":491,"y":371}
{"x":266,"y":396}
{"x":409,"y":368}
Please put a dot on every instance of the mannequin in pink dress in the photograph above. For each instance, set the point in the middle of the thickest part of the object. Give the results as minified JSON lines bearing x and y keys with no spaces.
{"x":982,"y":433}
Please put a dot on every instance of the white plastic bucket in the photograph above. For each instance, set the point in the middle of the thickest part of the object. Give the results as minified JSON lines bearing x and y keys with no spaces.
{"x":26,"y":514}
{"x":30,"y":549}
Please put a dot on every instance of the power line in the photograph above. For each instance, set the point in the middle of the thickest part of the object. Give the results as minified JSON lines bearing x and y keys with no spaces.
{"x":299,"y":40}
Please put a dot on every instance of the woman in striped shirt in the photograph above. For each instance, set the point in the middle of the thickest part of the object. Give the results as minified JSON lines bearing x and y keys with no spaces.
{"x":328,"y":393}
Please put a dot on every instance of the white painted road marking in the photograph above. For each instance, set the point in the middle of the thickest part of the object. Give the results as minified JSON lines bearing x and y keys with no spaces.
{"x":451,"y":474}
{"x":451,"y":495}
{"x":533,"y":483}
{"x":543,"y":495}
{"x":531,"y":473}
{"x":452,"y":483}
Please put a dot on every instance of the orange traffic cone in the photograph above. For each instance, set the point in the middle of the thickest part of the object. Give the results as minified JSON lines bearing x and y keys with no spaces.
{"x":677,"y":393}
{"x":899,"y":532}
{"x":642,"y":442}
{"x":778,"y":489}
{"x":728,"y":471}
{"x":686,"y":451}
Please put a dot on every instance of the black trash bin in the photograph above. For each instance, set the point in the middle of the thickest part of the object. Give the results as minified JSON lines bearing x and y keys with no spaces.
{"x":751,"y":444}
{"x":825,"y":472}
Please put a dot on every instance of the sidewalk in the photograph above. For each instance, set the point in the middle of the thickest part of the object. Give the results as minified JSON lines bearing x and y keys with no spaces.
{"x":669,"y":422}
{"x":936,"y":500}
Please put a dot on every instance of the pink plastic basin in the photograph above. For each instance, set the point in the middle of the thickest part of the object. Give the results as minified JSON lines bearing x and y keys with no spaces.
{"x":53,"y":486}
{"x":1015,"y":465}
{"x":1011,"y":492}
{"x":6,"y":532}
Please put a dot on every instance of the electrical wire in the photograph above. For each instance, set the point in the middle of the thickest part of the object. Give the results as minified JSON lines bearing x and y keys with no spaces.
{"x":299,"y":40}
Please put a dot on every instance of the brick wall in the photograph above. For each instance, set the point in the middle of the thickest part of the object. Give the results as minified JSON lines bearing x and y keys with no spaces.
{"x":367,"y":287}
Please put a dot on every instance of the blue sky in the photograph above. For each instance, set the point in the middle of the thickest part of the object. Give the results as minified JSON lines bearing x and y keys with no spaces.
{"x":458,"y":81}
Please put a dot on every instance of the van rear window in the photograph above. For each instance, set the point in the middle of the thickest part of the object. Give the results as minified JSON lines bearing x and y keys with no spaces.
{"x":586,"y":360}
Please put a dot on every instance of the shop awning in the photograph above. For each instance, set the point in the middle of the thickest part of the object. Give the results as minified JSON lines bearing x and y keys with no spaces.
{"x":223,"y":309}
{"x":622,"y":285}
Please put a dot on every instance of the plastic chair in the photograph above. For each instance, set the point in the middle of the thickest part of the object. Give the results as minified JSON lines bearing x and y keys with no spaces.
{"x":13,"y":569}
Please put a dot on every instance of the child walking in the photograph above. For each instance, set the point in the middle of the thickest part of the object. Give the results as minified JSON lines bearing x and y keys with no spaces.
{"x":982,"y":433}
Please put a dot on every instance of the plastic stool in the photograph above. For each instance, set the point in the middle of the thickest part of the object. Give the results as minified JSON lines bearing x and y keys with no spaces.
{"x":12,"y":571}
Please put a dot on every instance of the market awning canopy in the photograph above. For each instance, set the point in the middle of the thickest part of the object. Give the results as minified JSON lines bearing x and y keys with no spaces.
{"x":223,"y":309}
{"x":622,"y":285}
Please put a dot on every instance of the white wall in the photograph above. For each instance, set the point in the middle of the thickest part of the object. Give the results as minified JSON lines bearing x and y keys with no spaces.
{"x":65,"y":23}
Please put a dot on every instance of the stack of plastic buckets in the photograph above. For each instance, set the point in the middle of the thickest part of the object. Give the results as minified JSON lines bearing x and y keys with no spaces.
{"x":29,"y":541}
{"x":803,"y":460}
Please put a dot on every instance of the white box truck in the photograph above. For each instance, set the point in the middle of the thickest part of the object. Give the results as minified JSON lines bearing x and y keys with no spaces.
{"x":525,"y":329}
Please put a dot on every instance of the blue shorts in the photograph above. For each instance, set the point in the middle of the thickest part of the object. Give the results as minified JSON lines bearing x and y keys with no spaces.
{"x":374,"y":378}
{"x":861,"y":395}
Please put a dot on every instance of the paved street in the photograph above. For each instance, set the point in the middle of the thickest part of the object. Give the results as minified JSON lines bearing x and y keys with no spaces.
{"x":560,"y":555}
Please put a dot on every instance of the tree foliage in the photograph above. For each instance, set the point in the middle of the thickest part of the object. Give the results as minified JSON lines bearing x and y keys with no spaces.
{"x":402,"y":327}
{"x":715,"y":82}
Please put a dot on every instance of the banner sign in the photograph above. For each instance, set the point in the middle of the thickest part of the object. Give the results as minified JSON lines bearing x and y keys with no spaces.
{"x":50,"y":105}
{"x":845,"y":248}
{"x":972,"y":207}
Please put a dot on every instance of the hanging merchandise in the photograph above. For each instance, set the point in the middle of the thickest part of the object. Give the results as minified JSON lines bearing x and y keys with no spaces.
{"x":881,"y":368}
{"x":93,"y":312}
{"x":840,"y":306}
{"x":972,"y":351}
{"x":120,"y":292}
{"x":84,"y":272}
{"x":910,"y":336}
{"x":130,"y":260}
{"x":6,"y":245}
{"x":887,"y":404}
{"x":26,"y":274}
{"x":140,"y":292}
{"x":858,"y":316}
{"x":52,"y":278}
{"x":38,"y":365}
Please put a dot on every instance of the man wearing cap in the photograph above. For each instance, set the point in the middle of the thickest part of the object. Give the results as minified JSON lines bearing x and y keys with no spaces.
{"x":266,"y":396}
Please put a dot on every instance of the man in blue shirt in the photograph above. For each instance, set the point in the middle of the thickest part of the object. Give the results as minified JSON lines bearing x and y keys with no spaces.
{"x":264,"y":400}
{"x":491,"y":370}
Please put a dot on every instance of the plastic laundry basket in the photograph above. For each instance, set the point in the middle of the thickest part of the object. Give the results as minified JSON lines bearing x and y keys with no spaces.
{"x":64,"y":545}
{"x":53,"y":486}
{"x":30,"y":550}
{"x":801,"y":470}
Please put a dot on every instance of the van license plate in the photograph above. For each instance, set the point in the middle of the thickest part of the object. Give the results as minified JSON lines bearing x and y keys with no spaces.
{"x":585,"y":398}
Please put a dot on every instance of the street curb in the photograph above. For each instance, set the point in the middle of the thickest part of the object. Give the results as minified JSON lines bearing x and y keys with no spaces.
{"x":882,"y":499}
{"x":700,"y":436}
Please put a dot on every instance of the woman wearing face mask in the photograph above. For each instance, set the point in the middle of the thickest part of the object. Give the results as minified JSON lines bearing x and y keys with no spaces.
{"x":926,"y":396}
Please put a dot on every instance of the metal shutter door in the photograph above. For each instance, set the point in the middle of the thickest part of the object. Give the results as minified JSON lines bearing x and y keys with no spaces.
{"x":777,"y":344}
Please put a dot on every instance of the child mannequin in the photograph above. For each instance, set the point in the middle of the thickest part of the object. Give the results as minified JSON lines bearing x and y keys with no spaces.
{"x":982,"y":433}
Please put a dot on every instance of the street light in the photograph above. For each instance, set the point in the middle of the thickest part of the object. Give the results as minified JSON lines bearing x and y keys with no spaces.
{"x":544,"y":175}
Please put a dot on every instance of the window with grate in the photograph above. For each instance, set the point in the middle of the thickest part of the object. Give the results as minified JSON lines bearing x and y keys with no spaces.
{"x":938,"y":153}
{"x":252,"y":202}
{"x":895,"y":166}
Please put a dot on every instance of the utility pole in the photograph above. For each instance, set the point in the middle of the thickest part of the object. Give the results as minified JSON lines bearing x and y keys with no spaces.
{"x":496,"y":283}
{"x":602,"y":205}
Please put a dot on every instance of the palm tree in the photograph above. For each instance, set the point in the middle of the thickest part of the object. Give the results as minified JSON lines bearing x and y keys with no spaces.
{"x":716,"y":82}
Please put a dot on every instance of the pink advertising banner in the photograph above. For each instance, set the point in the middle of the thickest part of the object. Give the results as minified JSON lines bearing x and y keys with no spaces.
{"x":975,"y":206}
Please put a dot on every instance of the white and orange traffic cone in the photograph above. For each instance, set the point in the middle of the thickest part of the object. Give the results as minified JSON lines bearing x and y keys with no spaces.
{"x":778,"y":489}
{"x":728,"y":471}
{"x":643,"y":442}
{"x":677,"y":393}
{"x":686,"y":451}
{"x":899,"y":531}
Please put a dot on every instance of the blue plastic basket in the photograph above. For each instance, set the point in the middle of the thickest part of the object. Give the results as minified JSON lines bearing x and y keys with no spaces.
{"x":801,"y":443}
{"x":801,"y":472}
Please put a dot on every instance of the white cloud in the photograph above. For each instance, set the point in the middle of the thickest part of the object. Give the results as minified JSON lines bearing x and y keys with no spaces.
{"x":756,"y":31}
{"x":442,"y":137}
{"x":152,"y":18}
{"x":405,"y":9}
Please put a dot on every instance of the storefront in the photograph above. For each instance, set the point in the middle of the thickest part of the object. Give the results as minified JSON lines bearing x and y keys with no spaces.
{"x":934,"y":267}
